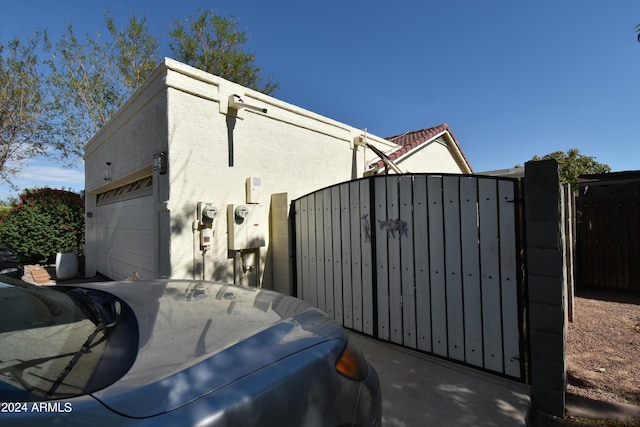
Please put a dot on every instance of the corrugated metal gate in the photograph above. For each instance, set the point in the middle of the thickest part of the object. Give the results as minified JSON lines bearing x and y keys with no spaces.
{"x":430,"y":262}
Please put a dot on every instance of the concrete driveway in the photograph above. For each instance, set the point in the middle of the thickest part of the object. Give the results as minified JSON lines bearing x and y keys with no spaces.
{"x":420,"y":390}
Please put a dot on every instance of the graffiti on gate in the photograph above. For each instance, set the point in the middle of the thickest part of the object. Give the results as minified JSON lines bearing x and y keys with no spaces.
{"x":394,"y":226}
{"x":366,"y":227}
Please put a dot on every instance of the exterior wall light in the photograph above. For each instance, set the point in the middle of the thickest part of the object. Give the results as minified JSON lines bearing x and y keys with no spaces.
{"x":107,"y":172}
{"x":160,"y":162}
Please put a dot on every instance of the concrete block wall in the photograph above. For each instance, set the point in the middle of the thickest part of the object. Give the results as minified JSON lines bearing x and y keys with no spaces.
{"x":547,"y":276}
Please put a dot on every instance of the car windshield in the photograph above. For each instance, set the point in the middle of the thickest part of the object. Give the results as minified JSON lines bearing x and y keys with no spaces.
{"x":50,"y":341}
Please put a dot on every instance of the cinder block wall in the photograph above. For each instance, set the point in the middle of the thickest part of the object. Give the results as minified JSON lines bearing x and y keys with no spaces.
{"x":546,"y":269}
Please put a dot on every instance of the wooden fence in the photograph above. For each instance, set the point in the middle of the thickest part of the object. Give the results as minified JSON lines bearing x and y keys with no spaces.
{"x":430,"y":262}
{"x":609,"y":240}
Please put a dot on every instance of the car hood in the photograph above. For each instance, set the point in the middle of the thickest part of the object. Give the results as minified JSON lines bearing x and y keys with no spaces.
{"x":196,"y":337}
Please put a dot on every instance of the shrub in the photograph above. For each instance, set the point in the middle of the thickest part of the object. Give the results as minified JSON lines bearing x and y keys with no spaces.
{"x":44,"y":221}
{"x":5,"y":210}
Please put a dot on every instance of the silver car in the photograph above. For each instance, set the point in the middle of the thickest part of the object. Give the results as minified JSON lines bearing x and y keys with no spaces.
{"x":9,"y":263}
{"x":183,"y":353}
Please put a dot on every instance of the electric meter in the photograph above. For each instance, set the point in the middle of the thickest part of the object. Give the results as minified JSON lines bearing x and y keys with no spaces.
{"x":206,"y":213}
{"x":241,"y":212}
{"x":209,"y":212}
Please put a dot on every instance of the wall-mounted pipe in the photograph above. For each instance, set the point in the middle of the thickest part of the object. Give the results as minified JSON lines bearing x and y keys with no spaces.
{"x":237,"y":103}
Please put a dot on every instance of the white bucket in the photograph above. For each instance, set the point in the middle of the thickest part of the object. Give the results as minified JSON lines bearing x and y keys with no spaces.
{"x":66,"y":265}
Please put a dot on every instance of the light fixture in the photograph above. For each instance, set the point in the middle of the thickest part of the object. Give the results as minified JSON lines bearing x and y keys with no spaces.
{"x":160,"y":162}
{"x":107,"y":172}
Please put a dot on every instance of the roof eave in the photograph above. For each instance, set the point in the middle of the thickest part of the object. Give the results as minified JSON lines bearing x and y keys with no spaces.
{"x":452,"y":145}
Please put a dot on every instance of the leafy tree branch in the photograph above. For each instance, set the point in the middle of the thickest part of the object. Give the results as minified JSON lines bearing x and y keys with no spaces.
{"x":54,"y":97}
{"x":573,"y":164}
{"x":25,"y":113}
{"x":215,"y":44}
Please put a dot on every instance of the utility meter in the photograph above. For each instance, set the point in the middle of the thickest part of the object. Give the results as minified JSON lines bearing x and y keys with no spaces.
{"x":247,"y":227}
{"x":241,"y":212}
{"x":206,"y":213}
{"x":209,"y":213}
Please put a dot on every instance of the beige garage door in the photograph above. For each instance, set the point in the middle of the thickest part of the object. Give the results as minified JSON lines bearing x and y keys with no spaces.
{"x":125,"y":232}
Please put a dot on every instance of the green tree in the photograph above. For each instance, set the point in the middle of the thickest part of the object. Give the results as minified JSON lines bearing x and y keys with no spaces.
{"x":55,"y":105}
{"x":135,"y":52}
{"x":92,"y":77}
{"x":572,"y":164}
{"x":85,"y":96}
{"x":25,"y":110}
{"x":214,"y":44}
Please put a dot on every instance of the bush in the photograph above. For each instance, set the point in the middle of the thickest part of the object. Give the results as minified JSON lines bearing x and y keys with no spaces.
{"x":44,"y":221}
{"x":5,"y":210}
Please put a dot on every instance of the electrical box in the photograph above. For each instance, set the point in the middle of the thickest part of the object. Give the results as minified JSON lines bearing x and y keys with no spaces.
{"x":247,"y":226}
{"x":206,"y":212}
{"x":254,"y":189}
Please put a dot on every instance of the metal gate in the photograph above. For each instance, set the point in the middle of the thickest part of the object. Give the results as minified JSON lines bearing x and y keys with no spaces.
{"x":430,"y":262}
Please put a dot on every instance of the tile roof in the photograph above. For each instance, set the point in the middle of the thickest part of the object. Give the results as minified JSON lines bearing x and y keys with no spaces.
{"x":408,"y":141}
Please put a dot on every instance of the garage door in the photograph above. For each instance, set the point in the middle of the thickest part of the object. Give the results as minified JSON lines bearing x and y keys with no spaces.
{"x":125,"y":232}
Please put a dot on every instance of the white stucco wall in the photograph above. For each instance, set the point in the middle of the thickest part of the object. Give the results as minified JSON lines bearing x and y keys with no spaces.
{"x":292,"y":150}
{"x":184,"y":112}
{"x":127,"y":142}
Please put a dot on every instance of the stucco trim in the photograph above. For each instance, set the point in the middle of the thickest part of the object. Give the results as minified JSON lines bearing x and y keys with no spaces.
{"x":173,"y":74}
{"x":277,"y":110}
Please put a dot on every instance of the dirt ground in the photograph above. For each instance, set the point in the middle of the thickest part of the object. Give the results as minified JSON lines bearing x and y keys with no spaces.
{"x":603,"y":356}
{"x":603,"y":347}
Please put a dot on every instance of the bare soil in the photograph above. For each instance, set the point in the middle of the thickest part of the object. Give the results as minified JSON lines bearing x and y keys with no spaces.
{"x":603,"y":347}
{"x":603,"y":356}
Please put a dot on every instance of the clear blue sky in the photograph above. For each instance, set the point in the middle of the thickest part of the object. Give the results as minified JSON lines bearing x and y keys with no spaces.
{"x":513,"y":78}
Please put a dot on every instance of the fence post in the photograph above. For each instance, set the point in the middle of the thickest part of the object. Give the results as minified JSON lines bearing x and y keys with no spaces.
{"x":546,"y":274}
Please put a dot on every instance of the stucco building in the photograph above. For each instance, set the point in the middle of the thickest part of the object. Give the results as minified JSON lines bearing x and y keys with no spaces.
{"x":188,"y":142}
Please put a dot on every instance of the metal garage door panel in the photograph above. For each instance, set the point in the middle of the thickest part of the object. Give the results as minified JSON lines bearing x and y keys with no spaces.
{"x":125,"y":239}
